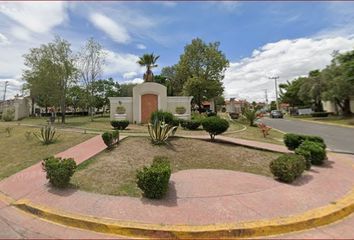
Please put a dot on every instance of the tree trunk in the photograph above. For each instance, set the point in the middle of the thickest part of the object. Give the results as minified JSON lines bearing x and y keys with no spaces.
{"x":346,"y":107}
{"x":32,"y":107}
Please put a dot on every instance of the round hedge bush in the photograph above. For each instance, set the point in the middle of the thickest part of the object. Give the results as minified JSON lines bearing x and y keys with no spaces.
{"x":312,"y":151}
{"x":59,"y":171}
{"x":190,"y":124}
{"x":120,"y":124}
{"x":288,"y":167}
{"x":153,"y":180}
{"x":293,"y":141}
{"x":162,"y":116}
{"x":215,"y":126}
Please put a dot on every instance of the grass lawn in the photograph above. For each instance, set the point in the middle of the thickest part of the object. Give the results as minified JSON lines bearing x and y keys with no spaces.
{"x":253,"y":133}
{"x":348,"y":121}
{"x":18,"y":152}
{"x":99,"y":123}
{"x":103,"y":124}
{"x":113,"y":172}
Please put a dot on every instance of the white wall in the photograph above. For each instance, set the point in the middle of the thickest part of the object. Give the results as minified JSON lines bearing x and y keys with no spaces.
{"x":126,"y":102}
{"x":182,"y":101}
{"x":133,"y":104}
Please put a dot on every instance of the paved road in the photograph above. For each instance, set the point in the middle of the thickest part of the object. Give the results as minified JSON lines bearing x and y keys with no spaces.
{"x":337,"y":138}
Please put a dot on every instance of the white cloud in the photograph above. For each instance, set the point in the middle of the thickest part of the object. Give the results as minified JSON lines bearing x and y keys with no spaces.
{"x":289,"y":59}
{"x":21,"y":33}
{"x":4,"y":40}
{"x":122,"y":63}
{"x":129,"y":75}
{"x":225,"y":6}
{"x":38,"y":17}
{"x":113,"y":29}
{"x":135,"y":80}
{"x":141,"y":46}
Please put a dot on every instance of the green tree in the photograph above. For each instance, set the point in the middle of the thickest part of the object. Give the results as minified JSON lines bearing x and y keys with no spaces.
{"x":289,"y":93}
{"x":50,"y":71}
{"x":175,"y":82}
{"x":202,"y":64}
{"x":339,"y":79}
{"x":148,"y":61}
{"x":126,"y":89}
{"x":102,"y":90}
{"x":77,"y":98}
{"x":312,"y":89}
{"x":90,"y":61}
{"x":202,"y":89}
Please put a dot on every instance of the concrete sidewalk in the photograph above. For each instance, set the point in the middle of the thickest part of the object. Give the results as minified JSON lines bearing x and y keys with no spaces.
{"x":195,"y":197}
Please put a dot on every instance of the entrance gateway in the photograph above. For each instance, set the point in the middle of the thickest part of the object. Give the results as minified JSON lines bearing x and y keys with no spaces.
{"x":147,"y":98}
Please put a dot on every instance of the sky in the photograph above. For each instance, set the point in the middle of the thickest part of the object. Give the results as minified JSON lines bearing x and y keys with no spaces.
{"x":260,"y":39}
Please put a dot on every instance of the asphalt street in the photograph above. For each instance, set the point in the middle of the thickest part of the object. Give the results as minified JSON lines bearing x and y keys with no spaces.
{"x":337,"y":138}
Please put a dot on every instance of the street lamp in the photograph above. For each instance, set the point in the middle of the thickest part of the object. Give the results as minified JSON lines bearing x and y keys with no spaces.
{"x":275,"y":78}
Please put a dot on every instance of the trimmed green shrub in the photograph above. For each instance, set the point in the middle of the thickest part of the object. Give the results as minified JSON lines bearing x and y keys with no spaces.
{"x":59,"y":171}
{"x":292,"y":140}
{"x":190,"y":124}
{"x":120,"y":124}
{"x":288,"y":167}
{"x":312,"y":151}
{"x":215,"y":126}
{"x":47,"y":135}
{"x":153,"y":180}
{"x":110,"y":138}
{"x":175,"y":122}
{"x":307,"y":155}
{"x":160,"y":115}
{"x":8,"y":114}
{"x":319,"y":114}
{"x":181,"y":110}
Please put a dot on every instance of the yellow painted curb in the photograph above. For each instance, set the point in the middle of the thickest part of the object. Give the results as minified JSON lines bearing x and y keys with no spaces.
{"x":310,"y":219}
{"x":6,"y":199}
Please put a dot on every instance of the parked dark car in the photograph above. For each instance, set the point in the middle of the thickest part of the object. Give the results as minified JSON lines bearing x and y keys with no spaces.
{"x":276,"y":114}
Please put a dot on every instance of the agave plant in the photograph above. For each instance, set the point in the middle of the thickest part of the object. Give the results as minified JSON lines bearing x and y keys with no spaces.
{"x":160,"y":131}
{"x":47,"y":135}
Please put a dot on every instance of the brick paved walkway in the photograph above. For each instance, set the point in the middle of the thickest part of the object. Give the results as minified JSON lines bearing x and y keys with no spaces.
{"x":196,"y":197}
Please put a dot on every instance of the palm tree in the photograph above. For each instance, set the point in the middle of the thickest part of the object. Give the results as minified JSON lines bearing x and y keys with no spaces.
{"x":149,"y":61}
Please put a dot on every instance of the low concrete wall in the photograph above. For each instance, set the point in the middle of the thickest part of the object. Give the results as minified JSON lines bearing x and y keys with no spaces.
{"x":173,"y":102}
{"x":126,"y":102}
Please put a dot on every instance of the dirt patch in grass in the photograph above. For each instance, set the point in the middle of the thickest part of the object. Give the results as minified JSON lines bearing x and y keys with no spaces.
{"x":114,"y":172}
{"x":21,"y":149}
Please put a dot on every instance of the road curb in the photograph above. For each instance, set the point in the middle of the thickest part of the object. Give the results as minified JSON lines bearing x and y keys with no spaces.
{"x":323,"y":123}
{"x":307,"y":220}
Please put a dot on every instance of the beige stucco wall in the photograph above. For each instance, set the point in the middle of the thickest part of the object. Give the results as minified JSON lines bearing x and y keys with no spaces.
{"x":329,"y":106}
{"x":148,"y":88}
{"x":21,"y":108}
{"x":127,"y":102}
{"x":133,"y":104}
{"x":173,"y":102}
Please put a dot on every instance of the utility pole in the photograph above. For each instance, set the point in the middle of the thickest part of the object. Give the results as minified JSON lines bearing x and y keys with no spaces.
{"x":6,"y":84}
{"x":266,"y":97}
{"x":275,"y":78}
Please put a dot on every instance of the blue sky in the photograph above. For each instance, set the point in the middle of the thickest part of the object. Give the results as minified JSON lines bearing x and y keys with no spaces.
{"x":259,"y":38}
